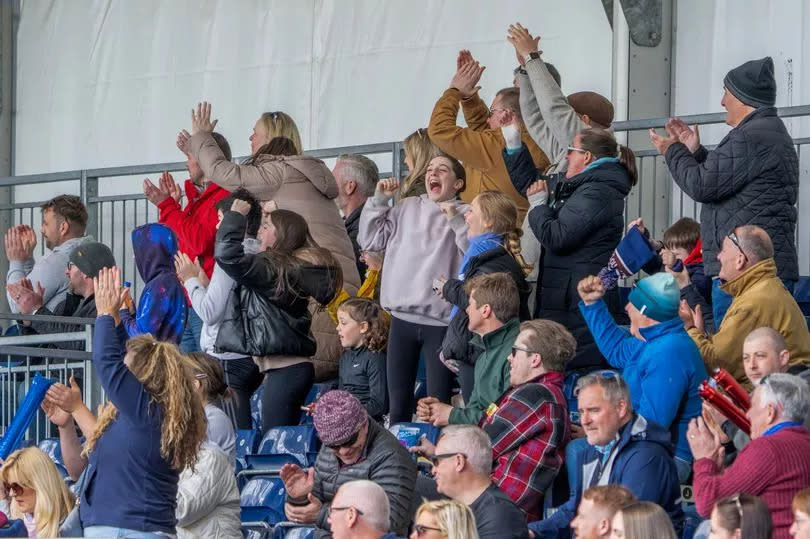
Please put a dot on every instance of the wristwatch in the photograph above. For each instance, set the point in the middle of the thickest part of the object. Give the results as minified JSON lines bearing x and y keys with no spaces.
{"x":531,"y":56}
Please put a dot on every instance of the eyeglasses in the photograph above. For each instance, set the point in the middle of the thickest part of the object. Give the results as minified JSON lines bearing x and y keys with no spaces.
{"x":348,"y":443}
{"x":14,"y":489}
{"x":572,"y":149}
{"x":733,"y":237}
{"x":422,"y":530}
{"x":441,"y":456}
{"x":332,"y":509}
{"x":70,"y":266}
{"x":515,"y":350}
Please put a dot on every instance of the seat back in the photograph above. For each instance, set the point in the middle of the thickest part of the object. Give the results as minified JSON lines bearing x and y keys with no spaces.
{"x":256,"y":408}
{"x":247,"y":442}
{"x":262,"y":500}
{"x":314,"y":394}
{"x":409,"y":434}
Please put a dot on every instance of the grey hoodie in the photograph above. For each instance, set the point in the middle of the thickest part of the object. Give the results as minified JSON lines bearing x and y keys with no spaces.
{"x":420,"y":245}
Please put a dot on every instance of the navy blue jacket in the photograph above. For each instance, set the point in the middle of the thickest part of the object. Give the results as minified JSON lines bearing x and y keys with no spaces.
{"x":129,"y":484}
{"x":642,"y":462}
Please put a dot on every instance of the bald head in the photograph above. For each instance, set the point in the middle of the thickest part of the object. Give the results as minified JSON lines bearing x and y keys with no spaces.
{"x":755,"y":243}
{"x":369,"y":498}
{"x":764,"y":352}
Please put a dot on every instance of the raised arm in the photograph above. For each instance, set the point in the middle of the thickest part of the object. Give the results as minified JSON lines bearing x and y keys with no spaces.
{"x":378,"y":220}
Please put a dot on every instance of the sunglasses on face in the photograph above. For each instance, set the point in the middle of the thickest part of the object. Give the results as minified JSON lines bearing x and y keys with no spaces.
{"x":573,"y":149}
{"x":14,"y":489}
{"x":435,"y":459}
{"x":516,"y":349}
{"x":348,"y":443}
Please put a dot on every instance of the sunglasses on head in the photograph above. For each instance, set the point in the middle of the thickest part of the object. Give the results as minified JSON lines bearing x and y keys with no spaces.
{"x":348,"y":443}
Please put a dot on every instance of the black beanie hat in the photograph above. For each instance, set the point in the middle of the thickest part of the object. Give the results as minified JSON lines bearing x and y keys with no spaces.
{"x":91,"y":256}
{"x":753,"y":83}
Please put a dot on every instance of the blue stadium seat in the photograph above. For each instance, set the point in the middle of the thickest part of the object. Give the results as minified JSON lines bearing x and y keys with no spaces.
{"x":314,"y":394}
{"x":297,"y":444}
{"x":250,"y":533}
{"x":262,"y":501}
{"x":256,"y":408}
{"x":51,"y":447}
{"x":293,"y":532}
{"x":426,"y":429}
{"x":801,"y":293}
{"x":247,"y":442}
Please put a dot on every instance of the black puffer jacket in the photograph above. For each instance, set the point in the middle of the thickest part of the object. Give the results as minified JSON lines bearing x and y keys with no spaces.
{"x":258,"y":322}
{"x":579,"y":229}
{"x":456,"y":344}
{"x":385,"y":461}
{"x":750,"y":178}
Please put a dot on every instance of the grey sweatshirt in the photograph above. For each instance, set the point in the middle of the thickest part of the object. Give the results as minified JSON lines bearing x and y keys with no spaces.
{"x":48,"y":271}
{"x":420,"y":245}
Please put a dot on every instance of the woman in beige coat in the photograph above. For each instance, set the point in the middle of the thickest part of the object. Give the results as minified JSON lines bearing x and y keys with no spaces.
{"x":297,"y":183}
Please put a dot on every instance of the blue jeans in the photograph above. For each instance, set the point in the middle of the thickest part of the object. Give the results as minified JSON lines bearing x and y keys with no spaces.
{"x":112,"y":531}
{"x":721,"y":301}
{"x":190,"y":342}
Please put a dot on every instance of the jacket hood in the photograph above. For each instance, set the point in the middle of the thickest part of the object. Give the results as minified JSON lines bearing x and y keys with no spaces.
{"x":319,"y":282}
{"x":154,"y":246}
{"x":639,"y":429}
{"x":312,"y":169}
{"x":609,"y":174}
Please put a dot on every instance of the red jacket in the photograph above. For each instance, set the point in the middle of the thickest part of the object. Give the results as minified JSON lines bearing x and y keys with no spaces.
{"x":195,"y":226}
{"x":529,"y":429}
{"x":774,"y":467}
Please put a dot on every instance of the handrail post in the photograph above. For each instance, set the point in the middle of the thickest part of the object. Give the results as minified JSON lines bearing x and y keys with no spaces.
{"x":88,"y":189}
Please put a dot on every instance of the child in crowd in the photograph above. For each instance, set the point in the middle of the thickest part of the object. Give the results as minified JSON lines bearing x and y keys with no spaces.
{"x":162,"y":308}
{"x":363,"y":331}
{"x":423,"y":238}
{"x":681,"y":243}
{"x":209,"y":382}
{"x":494,"y":247}
{"x":269,"y":316}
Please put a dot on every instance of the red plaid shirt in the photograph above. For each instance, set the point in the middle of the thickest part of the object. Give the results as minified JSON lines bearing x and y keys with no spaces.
{"x":528,"y":430}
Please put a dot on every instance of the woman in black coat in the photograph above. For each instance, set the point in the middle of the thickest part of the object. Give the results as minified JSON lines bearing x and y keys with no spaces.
{"x":494,"y":247}
{"x":579,"y":228}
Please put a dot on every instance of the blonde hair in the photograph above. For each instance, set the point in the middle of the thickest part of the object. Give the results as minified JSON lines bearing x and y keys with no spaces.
{"x":501,"y":213}
{"x":419,"y":146}
{"x":455,"y":519}
{"x":280,"y":124}
{"x":162,"y":370}
{"x":32,"y":468}
{"x":646,"y":519}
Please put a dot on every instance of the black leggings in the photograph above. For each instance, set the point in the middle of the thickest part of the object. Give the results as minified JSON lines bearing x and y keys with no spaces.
{"x":243,"y":377}
{"x":405,"y":341}
{"x":285,"y":391}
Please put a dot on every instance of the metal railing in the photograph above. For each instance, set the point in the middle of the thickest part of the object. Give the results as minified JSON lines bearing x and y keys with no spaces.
{"x":23,"y":356}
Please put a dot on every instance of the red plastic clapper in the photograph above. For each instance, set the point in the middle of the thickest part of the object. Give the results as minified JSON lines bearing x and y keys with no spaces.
{"x":725,"y":406}
{"x":732,"y":388}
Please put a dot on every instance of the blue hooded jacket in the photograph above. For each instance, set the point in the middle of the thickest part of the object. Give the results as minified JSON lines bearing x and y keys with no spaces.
{"x":642,"y":461}
{"x":663,"y":372}
{"x":162,"y":309}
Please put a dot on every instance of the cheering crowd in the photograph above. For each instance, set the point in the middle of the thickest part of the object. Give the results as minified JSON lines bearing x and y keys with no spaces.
{"x":494,"y":265}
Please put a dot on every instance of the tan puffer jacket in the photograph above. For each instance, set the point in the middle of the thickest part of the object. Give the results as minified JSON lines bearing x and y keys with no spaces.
{"x":306,"y":186}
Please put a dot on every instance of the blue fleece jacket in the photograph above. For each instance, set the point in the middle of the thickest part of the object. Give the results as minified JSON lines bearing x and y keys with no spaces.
{"x":642,"y":461}
{"x":162,"y":308}
{"x":663,"y":371}
{"x":129,"y":485}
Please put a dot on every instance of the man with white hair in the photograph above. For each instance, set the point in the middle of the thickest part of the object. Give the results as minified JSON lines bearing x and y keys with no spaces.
{"x":356,"y":176}
{"x":462,"y":466}
{"x":774,"y":466}
{"x":359,"y":510}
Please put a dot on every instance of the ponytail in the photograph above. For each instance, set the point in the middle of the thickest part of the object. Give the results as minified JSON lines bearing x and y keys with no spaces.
{"x":512,"y":245}
{"x":602,"y":143}
{"x":628,"y":159}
